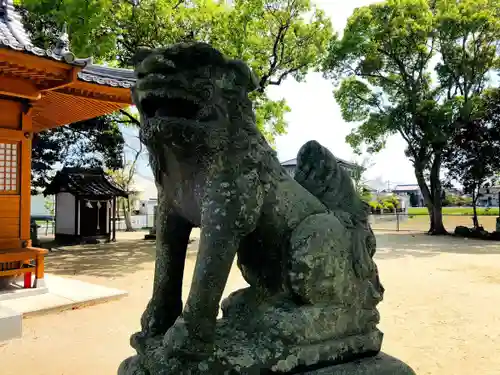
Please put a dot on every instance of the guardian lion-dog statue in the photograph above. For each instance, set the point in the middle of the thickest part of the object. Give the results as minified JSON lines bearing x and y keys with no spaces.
{"x":303,"y":243}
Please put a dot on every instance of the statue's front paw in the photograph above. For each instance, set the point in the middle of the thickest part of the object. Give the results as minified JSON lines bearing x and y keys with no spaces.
{"x":178,"y":341}
{"x":239,"y":303}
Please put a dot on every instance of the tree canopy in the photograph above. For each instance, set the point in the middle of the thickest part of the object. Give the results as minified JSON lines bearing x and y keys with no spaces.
{"x":277,"y":39}
{"x":474,"y":158}
{"x":416,"y":68}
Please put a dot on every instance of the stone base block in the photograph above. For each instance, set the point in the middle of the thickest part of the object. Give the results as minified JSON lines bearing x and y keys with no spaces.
{"x":276,"y":336}
{"x":381,"y":364}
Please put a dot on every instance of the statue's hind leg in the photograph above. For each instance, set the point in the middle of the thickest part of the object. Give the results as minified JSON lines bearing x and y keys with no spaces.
{"x":319,"y":262}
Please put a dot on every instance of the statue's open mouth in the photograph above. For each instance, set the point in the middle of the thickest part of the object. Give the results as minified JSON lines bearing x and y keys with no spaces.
{"x":171,"y":107}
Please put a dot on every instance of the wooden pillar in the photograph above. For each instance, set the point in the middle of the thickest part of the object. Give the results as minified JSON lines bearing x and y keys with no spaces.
{"x":114,"y":220}
{"x":25,"y":177}
{"x":40,"y":268}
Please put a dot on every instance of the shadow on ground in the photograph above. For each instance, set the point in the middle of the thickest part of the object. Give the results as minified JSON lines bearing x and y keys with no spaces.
{"x":396,"y":245}
{"x":107,"y":260}
{"x":115,"y":259}
{"x":124,"y":257}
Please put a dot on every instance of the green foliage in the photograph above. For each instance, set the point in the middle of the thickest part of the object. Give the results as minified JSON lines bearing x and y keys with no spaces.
{"x":359,"y":180}
{"x":387,"y":204}
{"x":375,"y":206}
{"x":391,"y":200}
{"x":389,"y":207}
{"x":277,"y":39}
{"x":93,"y":143}
{"x":414,"y":68}
{"x":456,"y":211}
{"x":474,"y":159}
{"x":366,"y":195}
{"x":49,"y":205}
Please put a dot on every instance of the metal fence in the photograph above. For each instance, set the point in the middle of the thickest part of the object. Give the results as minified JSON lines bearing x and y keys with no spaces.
{"x":46,"y":228}
{"x":421,"y":222}
{"x":379,"y":222}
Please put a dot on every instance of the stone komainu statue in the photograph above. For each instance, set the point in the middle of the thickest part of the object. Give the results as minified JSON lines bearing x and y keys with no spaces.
{"x":303,"y":244}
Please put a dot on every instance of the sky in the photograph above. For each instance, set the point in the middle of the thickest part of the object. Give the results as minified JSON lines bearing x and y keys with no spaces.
{"x":316,"y":116}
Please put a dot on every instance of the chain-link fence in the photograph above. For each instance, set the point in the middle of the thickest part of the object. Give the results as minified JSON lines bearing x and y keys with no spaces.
{"x":421,"y":222}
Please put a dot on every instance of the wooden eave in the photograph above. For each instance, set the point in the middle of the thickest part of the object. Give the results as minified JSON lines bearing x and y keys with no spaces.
{"x":57,"y":95}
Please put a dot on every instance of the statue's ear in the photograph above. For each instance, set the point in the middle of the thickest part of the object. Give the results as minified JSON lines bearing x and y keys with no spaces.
{"x":140,"y":55}
{"x":243,"y":75}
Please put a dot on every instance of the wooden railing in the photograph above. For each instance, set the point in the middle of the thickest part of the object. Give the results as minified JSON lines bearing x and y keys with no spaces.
{"x":30,"y":260}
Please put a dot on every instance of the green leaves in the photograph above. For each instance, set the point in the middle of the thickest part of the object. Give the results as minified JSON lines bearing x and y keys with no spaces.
{"x":468,"y":33}
{"x":477,"y":137}
{"x":270,"y":116}
{"x":356,"y":99}
{"x":278,"y":39}
{"x":89,"y":23}
{"x":414,"y":66}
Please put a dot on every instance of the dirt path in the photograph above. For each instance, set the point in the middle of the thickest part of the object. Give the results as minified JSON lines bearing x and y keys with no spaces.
{"x":441,"y":312}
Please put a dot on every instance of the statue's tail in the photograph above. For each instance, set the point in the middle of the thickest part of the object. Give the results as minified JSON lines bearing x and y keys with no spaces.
{"x":318,"y":171}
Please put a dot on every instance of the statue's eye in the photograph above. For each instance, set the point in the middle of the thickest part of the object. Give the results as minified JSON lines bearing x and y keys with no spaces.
{"x":207,"y":92}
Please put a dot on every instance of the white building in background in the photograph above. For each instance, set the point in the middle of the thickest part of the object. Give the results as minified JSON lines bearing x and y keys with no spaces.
{"x":146,"y":207}
{"x":488,"y":197}
{"x":412,"y":191}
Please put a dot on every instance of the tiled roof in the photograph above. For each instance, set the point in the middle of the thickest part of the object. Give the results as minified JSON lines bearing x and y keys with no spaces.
{"x":13,"y":35}
{"x":84,"y":182}
{"x":103,"y":75}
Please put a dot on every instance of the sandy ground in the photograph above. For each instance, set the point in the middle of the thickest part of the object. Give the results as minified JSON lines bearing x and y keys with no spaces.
{"x":420,"y":223}
{"x":441,"y":312}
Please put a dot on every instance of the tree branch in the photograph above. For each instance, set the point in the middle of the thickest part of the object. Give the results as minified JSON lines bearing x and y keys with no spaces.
{"x":132,"y":118}
{"x":285,"y":74}
{"x":179,"y":3}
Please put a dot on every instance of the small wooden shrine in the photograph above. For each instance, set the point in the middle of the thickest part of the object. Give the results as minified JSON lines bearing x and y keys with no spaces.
{"x":40,"y":89}
{"x":85,"y":205}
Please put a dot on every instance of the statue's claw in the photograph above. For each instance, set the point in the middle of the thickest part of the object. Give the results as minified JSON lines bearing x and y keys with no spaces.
{"x":178,"y":340}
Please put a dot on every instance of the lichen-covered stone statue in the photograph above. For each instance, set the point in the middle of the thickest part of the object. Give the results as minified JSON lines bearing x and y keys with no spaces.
{"x":303,"y":244}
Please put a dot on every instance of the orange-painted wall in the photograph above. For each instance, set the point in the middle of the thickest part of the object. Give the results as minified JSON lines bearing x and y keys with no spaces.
{"x":15,"y":165}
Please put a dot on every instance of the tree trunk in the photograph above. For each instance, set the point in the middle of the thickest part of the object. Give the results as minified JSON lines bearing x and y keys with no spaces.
{"x":117,"y":208}
{"x":475,"y":221}
{"x":432,"y":196}
{"x":126,"y":215}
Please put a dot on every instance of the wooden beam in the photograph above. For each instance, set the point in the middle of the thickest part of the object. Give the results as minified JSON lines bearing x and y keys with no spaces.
{"x":34,"y":62}
{"x":19,"y":88}
{"x":12,"y":135}
{"x":25,"y":180}
{"x":71,"y":79}
{"x":99,"y":92}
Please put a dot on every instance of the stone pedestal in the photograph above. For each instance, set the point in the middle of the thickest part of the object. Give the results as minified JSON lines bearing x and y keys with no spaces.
{"x":381,"y":364}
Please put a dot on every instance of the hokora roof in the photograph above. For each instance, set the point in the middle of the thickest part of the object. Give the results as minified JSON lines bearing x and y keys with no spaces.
{"x":85,"y":183}
{"x":62,"y":88}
